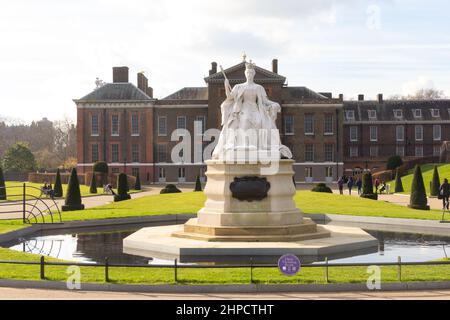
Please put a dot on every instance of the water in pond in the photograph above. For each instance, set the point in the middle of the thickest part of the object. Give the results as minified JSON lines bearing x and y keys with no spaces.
{"x":93,"y":247}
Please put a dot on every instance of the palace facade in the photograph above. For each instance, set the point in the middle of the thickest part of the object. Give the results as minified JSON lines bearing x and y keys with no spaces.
{"x":124,"y":125}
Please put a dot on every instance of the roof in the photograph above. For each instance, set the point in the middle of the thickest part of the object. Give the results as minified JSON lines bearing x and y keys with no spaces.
{"x":117,"y":91}
{"x":300,"y":93}
{"x":189,"y":93}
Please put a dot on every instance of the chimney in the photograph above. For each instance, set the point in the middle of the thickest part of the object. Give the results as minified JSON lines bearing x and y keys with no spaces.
{"x":275,"y":66}
{"x":361,"y":97}
{"x":120,"y":74}
{"x":142,"y":83}
{"x":380,"y":98}
{"x":341,"y":97}
{"x":213,"y":68}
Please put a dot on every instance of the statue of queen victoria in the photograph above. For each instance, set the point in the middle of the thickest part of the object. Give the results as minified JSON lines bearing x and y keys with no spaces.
{"x":248,"y":122}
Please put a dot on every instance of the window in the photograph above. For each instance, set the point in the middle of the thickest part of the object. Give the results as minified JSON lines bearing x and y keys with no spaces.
{"x":288,"y":124}
{"x":94,"y":125}
{"x":437,"y":132}
{"x":398,"y":114}
{"x":134,"y":125}
{"x":94,"y":153}
{"x":309,"y":153}
{"x":329,"y":153}
{"x":135,"y":153}
{"x":354,"y":152}
{"x":435,"y":113}
{"x":353,"y":134}
{"x":309,"y":124}
{"x":162,"y":126}
{"x":134,"y":172}
{"x":308,"y":172}
{"x":115,"y":170}
{"x":419,"y":133}
{"x":419,"y":151}
{"x":400,"y":133}
{"x":400,"y":151}
{"x":162,"y":173}
{"x":436,"y":150}
{"x":350,"y":115}
{"x":373,"y":133}
{"x":329,"y":172}
{"x":115,"y":125}
{"x":201,"y":124}
{"x":328,"y":124}
{"x":162,"y":153}
{"x":372,"y":114}
{"x":417,"y":113}
{"x":374,"y":151}
{"x":181,"y":122}
{"x":115,"y":153}
{"x":181,"y":173}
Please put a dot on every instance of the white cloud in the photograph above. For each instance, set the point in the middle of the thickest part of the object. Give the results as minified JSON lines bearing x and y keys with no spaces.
{"x":422,"y":82}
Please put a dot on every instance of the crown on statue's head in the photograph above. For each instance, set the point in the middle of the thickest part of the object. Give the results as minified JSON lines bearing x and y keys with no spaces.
{"x":250,"y":65}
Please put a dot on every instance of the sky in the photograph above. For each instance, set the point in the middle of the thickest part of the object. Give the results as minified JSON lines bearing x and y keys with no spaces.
{"x":51,"y":51}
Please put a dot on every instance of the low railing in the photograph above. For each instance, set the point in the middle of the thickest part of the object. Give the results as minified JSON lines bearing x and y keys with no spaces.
{"x":251,"y":266}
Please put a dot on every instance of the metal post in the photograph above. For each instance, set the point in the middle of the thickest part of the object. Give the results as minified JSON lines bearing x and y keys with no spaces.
{"x":399,"y":269}
{"x":326,"y":270}
{"x":106,"y":269}
{"x":176,"y":270}
{"x":24,"y":188}
{"x":42,"y":268}
{"x":251,"y":270}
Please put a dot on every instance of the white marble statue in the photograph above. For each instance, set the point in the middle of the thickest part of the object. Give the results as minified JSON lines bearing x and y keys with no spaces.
{"x":248,"y":119}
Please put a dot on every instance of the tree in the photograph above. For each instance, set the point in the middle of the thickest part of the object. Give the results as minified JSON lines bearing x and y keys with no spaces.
{"x":19,"y":158}
{"x":58,"y":185}
{"x":322,"y":188}
{"x":435,"y":183}
{"x":368,"y":187}
{"x":93,"y":186}
{"x":418,"y":198}
{"x":198,"y":185}
{"x":421,"y":94}
{"x":2,"y":186}
{"x":170,"y":188}
{"x":137,"y":185}
{"x":73,"y":196}
{"x":100,"y":167}
{"x":122,"y":187}
{"x":394,"y":162}
{"x":398,"y":183}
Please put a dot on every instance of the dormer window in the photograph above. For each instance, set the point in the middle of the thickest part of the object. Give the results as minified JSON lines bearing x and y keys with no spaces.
{"x":350,"y":115}
{"x":435,"y":113}
{"x":372,"y":114}
{"x":417,"y":113}
{"x":398,"y":114}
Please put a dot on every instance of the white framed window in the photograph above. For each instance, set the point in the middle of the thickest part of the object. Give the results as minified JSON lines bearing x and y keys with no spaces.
{"x":400,"y":151}
{"x":115,"y":153}
{"x":437,"y":132}
{"x":353,"y":133}
{"x":435,"y":113}
{"x":309,"y":174}
{"x":329,"y":152}
{"x":372,"y":114}
{"x":350,"y":115}
{"x":309,"y":124}
{"x":400,"y":133}
{"x":328,"y":172}
{"x":373,"y":133}
{"x":202,"y":124}
{"x":135,"y":153}
{"x":419,"y":151}
{"x":162,"y":153}
{"x":436,"y":150}
{"x":94,"y":152}
{"x":115,"y":125}
{"x":354,"y":152}
{"x":135,"y":125}
{"x":328,"y":124}
{"x":309,"y":153}
{"x":288,"y":124}
{"x":134,"y":172}
{"x":181,"y":122}
{"x":161,"y":174}
{"x":373,"y":151}
{"x":398,"y":114}
{"x":94,"y":125}
{"x":181,"y":174}
{"x":418,"y":132}
{"x":162,"y":126}
{"x":417,"y":113}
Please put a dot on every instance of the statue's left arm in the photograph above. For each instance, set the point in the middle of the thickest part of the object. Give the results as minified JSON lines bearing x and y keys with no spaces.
{"x":271,"y":107}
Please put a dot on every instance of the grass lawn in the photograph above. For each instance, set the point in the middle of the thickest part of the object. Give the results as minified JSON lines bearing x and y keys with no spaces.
{"x":427,"y":172}
{"x":212,"y":276}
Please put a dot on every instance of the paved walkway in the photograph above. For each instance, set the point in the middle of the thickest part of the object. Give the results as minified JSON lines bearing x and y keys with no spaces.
{"x":33,"y":294}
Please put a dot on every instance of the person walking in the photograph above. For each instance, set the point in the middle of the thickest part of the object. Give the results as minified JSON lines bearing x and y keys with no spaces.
{"x":350,"y":184}
{"x":341,"y":185}
{"x":377,"y":185}
{"x":359,"y":185}
{"x":444,"y":192}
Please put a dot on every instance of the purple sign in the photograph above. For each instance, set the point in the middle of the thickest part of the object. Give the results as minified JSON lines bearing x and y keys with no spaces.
{"x":289,"y":264}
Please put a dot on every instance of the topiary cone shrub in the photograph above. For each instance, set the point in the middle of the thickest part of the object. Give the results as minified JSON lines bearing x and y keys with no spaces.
{"x":73,"y":195}
{"x":398,"y":183}
{"x":323,"y":188}
{"x":58,"y":190}
{"x":93,"y":186}
{"x":170,"y":188}
{"x":2,"y":186}
{"x":137,"y":185}
{"x":367,"y":192}
{"x":418,"y":198}
{"x":435,"y":183}
{"x":122,"y":187}
{"x":198,"y":185}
